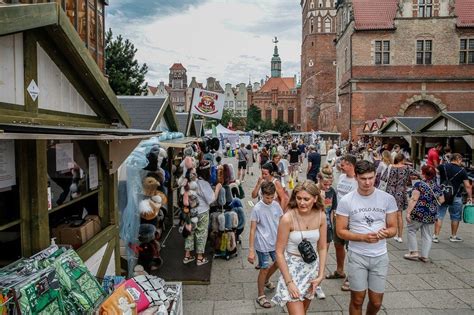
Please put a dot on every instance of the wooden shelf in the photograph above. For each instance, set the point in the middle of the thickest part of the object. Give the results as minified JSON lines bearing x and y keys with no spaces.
{"x":82,"y":197}
{"x":9,"y":224}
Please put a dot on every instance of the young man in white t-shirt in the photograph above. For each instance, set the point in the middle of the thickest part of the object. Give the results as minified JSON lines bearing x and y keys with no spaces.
{"x":345,"y":185}
{"x":263,"y":233}
{"x":366,"y":217}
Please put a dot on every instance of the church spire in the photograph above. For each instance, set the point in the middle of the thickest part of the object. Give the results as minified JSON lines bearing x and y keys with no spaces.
{"x":276,"y":61}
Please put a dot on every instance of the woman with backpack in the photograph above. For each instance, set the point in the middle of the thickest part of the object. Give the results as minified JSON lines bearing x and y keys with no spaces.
{"x":421,"y":213}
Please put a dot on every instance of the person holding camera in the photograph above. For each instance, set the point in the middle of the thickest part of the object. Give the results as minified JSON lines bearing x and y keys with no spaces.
{"x":366,"y":217}
{"x":302,"y":231}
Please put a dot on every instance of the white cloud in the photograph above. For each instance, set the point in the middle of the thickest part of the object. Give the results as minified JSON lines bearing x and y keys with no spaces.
{"x":226,"y":39}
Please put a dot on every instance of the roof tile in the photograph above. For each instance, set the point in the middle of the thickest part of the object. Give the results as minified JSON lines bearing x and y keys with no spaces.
{"x":177,"y":66}
{"x":282,"y":84}
{"x":465,"y":13}
{"x":374,"y":15}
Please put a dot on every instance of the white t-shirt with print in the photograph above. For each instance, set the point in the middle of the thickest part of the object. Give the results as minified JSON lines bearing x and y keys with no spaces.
{"x":367,"y":214}
{"x":267,"y":218}
{"x":345,"y":185}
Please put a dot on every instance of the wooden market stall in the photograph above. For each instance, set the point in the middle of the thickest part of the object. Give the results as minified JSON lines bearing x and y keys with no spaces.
{"x":63,"y":135}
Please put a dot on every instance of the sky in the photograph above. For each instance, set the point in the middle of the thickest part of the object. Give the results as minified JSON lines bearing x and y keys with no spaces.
{"x":226,"y":39}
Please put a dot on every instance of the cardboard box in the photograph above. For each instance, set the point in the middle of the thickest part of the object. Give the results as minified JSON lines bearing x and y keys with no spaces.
{"x":77,"y":235}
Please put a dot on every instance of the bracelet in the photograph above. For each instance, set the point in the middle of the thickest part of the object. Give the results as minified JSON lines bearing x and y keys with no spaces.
{"x":288,"y":282}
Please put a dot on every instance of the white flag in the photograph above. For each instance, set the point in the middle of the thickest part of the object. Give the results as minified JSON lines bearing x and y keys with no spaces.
{"x":207,"y":103}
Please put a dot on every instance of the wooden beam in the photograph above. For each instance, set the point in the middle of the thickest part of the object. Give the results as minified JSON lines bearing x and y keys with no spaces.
{"x":18,"y":18}
{"x":93,"y":245}
{"x":104,"y":263}
{"x":38,"y":197}
{"x":30,"y":61}
{"x":23,"y":166}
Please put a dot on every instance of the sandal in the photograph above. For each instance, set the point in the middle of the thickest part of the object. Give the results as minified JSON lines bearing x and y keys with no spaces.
{"x":270,"y":286}
{"x":187,"y":260}
{"x":202,"y":261}
{"x":336,"y":275}
{"x":263,"y":302}
{"x":424,"y":259}
{"x":346,"y":286}
{"x":413,"y":257}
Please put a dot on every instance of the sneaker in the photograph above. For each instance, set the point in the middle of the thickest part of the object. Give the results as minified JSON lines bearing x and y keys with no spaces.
{"x":455,"y":239}
{"x":320,"y":293}
{"x":435,"y":239}
{"x":398,"y":239}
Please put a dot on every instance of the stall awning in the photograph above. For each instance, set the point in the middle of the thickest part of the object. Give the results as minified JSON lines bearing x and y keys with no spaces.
{"x":179,"y":143}
{"x":35,"y":132}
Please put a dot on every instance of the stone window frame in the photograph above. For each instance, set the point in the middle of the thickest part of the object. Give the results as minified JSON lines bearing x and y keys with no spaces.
{"x":425,"y":8}
{"x":424,"y":52}
{"x":282,"y":112}
{"x":381,"y":52}
{"x":326,"y":20}
{"x":466,"y":54}
{"x":292,"y":110}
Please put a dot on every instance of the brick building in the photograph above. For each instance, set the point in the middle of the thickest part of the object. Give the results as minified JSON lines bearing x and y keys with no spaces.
{"x":403,"y":58}
{"x":318,"y":70}
{"x":278,"y":97}
{"x":178,"y":83}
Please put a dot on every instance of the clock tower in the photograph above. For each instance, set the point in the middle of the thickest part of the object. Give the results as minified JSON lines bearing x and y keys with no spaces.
{"x":318,"y":65}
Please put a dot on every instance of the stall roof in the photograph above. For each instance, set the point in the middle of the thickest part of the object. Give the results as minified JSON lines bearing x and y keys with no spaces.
{"x":409,"y":125}
{"x":183,"y":122}
{"x":18,"y":18}
{"x":448,"y":124}
{"x":21,"y":131}
{"x":145,"y":112}
{"x":179,"y":142}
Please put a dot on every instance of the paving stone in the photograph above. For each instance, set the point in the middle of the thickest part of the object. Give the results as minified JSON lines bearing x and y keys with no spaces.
{"x":467,"y":264}
{"x":462,"y":252}
{"x":413,"y":267}
{"x":243,"y":275}
{"x":466,"y":277}
{"x":195,"y":292}
{"x":198,"y":307}
{"x":344,"y":300}
{"x":409,"y":311}
{"x":441,"y":254}
{"x":325,"y":313}
{"x":328,"y":304}
{"x":220,"y":275}
{"x":452,"y":312}
{"x":228,"y":291}
{"x":400,"y":300}
{"x":439,"y":299}
{"x":443,"y":280}
{"x":408,"y":282}
{"x":449,"y":266}
{"x":465,"y":295}
{"x":234,"y":307}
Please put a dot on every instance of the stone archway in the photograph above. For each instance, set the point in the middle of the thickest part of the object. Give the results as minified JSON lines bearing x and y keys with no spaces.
{"x":422,"y":105}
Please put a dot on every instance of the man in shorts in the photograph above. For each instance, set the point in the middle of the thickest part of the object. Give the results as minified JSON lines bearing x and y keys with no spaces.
{"x":457,"y":175}
{"x":242,"y":166}
{"x":346,"y":183}
{"x":366,"y":217}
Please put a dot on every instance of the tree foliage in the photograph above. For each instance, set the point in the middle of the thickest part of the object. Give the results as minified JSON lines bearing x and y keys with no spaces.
{"x":254,"y":117}
{"x":282,"y":126}
{"x":126,"y":76}
{"x":227,"y":116}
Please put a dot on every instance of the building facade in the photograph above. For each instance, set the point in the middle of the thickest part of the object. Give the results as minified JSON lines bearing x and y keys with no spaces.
{"x":403,"y":58}
{"x":178,"y":83}
{"x":279,"y":97}
{"x":318,"y":70}
{"x":229,"y":97}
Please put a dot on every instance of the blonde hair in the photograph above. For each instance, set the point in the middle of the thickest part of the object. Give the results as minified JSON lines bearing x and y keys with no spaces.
{"x":387,"y":157}
{"x":311,"y":188}
{"x":326,"y":172}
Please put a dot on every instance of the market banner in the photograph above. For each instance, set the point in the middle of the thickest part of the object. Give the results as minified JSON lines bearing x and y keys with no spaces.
{"x":207,"y":103}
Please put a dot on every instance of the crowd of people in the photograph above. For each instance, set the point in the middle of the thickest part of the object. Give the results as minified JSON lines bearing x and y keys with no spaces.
{"x":362,"y":195}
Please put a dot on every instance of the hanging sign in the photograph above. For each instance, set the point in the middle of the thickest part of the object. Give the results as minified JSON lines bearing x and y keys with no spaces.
{"x":207,"y":103}
{"x":7,"y":163}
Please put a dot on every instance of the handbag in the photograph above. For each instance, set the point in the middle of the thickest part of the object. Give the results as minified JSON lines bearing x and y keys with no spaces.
{"x":307,"y":252}
{"x":468,"y":214}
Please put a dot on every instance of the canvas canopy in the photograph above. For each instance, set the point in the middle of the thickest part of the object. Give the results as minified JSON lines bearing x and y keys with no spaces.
{"x":221,"y":130}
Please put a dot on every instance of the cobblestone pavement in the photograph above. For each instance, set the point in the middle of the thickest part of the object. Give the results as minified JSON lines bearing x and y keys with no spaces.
{"x":445,"y":286}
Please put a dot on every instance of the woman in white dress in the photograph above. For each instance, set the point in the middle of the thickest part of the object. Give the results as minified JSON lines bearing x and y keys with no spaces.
{"x":306,"y":220}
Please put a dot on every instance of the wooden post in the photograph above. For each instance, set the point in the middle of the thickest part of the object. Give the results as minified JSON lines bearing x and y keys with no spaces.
{"x":30,"y":60}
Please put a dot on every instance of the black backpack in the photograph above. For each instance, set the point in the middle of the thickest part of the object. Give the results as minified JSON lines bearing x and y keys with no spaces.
{"x":447,"y":187}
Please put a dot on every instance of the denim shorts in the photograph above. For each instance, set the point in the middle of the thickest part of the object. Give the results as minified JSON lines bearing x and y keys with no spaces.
{"x":366,"y":272}
{"x":455,"y":210}
{"x":264,"y":259}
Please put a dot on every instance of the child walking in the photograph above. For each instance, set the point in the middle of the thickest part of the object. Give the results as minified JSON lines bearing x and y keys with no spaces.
{"x":263,"y":233}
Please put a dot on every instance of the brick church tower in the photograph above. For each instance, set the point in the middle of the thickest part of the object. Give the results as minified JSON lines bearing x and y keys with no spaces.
{"x":318,"y":66}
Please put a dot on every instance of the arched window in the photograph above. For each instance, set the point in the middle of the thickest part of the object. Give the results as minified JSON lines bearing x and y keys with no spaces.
{"x":311,"y":5}
{"x":327,"y":25}
{"x":312,"y":25}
